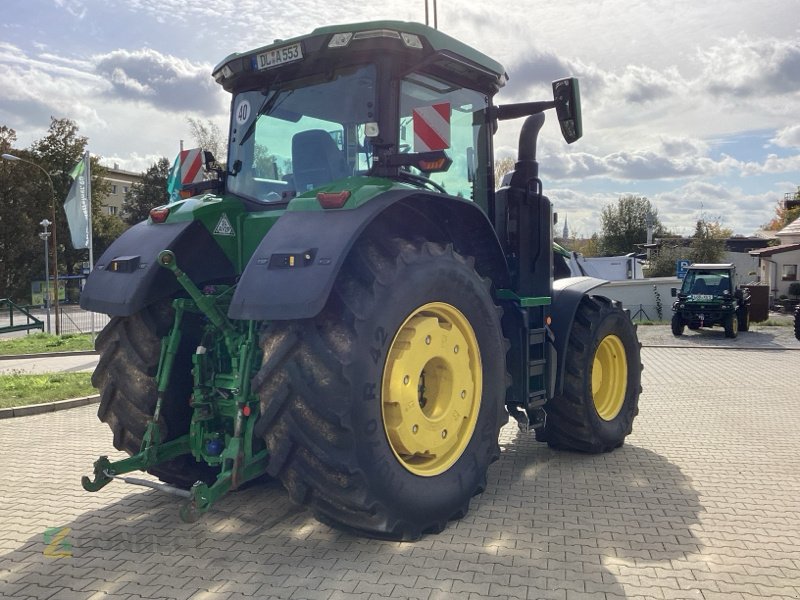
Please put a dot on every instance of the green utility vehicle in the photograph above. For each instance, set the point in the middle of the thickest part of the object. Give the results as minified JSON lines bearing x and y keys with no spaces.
{"x":709,"y":296}
{"x":350,"y":306}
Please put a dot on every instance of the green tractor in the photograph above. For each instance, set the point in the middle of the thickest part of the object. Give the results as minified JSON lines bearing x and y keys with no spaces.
{"x":349,"y":306}
{"x":709,"y":296}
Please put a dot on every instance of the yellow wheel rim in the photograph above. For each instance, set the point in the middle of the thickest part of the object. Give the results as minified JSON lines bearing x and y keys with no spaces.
{"x":609,"y":377}
{"x":431,"y":389}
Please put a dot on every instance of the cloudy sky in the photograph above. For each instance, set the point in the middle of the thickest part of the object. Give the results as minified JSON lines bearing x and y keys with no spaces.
{"x":694,"y":104}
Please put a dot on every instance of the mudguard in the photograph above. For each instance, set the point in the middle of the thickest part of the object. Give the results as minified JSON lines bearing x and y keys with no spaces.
{"x":127,"y":277}
{"x":292,"y":272}
{"x":567,"y":294}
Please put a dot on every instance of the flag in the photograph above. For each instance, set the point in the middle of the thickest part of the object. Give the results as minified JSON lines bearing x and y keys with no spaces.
{"x":77,"y":204}
{"x":174,"y":180}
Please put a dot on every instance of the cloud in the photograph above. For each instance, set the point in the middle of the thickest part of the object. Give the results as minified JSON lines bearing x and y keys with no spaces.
{"x":743,"y":67}
{"x":788,"y":137}
{"x":161,"y":80}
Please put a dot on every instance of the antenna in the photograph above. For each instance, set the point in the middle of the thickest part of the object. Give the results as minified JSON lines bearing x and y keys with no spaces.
{"x":435,"y":15}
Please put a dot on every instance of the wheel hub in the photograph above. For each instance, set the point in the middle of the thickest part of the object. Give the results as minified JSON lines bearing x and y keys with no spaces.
{"x":431,"y":389}
{"x":609,"y":377}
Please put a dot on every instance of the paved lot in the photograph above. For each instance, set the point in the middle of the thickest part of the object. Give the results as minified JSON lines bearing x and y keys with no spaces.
{"x":702,"y":503}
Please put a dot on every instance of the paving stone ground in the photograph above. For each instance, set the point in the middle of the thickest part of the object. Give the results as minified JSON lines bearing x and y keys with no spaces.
{"x":702,"y":502}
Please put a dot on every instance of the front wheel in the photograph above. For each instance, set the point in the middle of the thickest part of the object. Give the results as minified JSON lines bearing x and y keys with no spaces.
{"x":602,"y":381}
{"x":382,"y":413}
{"x":677,"y":325}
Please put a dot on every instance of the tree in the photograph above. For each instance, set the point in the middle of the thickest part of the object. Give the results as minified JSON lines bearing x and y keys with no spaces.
{"x":784,"y":214}
{"x":663,"y":260}
{"x":26,"y":198}
{"x":624,"y":225}
{"x":501,"y":167}
{"x":151,"y":192}
{"x":708,"y":242}
{"x":208,"y":136}
{"x":24,"y":201}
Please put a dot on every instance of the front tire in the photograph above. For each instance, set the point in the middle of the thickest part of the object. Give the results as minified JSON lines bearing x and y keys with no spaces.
{"x":602,"y":381}
{"x":382,"y":413}
{"x":677,"y":325}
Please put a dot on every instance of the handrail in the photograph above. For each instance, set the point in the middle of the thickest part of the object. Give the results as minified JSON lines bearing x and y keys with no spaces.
{"x":31,"y":322}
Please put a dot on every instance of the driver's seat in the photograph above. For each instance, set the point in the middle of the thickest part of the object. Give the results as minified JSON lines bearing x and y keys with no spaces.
{"x":700,"y":286}
{"x":316,"y":160}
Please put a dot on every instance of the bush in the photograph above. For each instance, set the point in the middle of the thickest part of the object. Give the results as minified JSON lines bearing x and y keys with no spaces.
{"x":794,"y":289}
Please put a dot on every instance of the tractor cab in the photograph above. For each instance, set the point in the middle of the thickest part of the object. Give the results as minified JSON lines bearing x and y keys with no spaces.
{"x":387,"y":99}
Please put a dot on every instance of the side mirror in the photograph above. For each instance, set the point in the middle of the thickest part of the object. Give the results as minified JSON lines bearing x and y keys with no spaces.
{"x":673,"y":292}
{"x":567,"y":97}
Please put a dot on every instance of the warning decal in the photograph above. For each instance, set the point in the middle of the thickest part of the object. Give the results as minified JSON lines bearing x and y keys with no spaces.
{"x":224,"y":226}
{"x":432,"y":127}
{"x":191,"y":166}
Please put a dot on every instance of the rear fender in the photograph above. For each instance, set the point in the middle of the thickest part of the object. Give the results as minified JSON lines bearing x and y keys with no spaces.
{"x":127,"y":276}
{"x":292,"y":272}
{"x":567,"y":295}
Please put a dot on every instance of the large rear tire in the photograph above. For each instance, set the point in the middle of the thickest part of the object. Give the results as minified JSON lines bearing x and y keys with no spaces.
{"x":602,"y":381}
{"x":382,"y":413}
{"x":125,"y":375}
{"x":731,"y":325}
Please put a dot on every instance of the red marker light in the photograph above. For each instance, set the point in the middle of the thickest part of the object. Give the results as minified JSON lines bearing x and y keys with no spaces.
{"x":333,"y":199}
{"x":246,"y":411}
{"x":159,"y":214}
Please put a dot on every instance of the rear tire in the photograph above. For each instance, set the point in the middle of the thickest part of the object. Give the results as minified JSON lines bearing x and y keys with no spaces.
{"x":731,"y":326}
{"x":125,"y":375}
{"x":602,"y":381}
{"x":744,"y":318}
{"x":348,"y":411}
{"x":797,"y":322}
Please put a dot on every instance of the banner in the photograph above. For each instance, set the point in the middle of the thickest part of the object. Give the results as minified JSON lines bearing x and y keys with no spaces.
{"x":76,"y":206}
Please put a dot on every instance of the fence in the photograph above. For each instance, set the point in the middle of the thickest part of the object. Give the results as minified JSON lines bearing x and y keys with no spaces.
{"x":10,"y":310}
{"x":73,"y":319}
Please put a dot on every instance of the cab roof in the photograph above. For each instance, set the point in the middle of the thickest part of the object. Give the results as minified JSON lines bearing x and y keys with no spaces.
{"x":435,"y":49}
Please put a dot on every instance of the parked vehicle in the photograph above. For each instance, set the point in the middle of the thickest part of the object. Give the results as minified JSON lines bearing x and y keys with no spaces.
{"x":709,"y":297}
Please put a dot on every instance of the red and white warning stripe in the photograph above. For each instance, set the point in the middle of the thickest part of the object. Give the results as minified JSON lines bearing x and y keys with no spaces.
{"x":191,"y":166}
{"x":432,"y":127}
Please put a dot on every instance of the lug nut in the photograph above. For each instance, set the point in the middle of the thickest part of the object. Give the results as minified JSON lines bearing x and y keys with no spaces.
{"x":428,"y":339}
{"x":415,"y":429}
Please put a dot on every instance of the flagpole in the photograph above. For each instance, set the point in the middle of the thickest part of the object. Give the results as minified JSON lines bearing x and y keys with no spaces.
{"x":88,"y":173}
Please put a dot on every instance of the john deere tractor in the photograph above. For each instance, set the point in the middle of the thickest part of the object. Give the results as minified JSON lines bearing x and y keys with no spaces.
{"x":348,"y":305}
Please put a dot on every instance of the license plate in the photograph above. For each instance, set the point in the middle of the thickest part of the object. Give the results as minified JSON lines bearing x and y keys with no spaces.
{"x":279,"y":56}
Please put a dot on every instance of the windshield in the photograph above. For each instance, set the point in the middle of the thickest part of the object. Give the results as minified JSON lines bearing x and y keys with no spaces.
{"x":706,"y":282}
{"x":300,"y":135}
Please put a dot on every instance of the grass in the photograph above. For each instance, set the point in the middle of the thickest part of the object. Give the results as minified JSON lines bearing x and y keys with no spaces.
{"x":20,"y":389}
{"x":38,"y":343}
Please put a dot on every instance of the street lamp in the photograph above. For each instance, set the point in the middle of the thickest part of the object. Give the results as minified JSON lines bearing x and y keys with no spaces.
{"x":45,"y":235}
{"x":11,"y":157}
